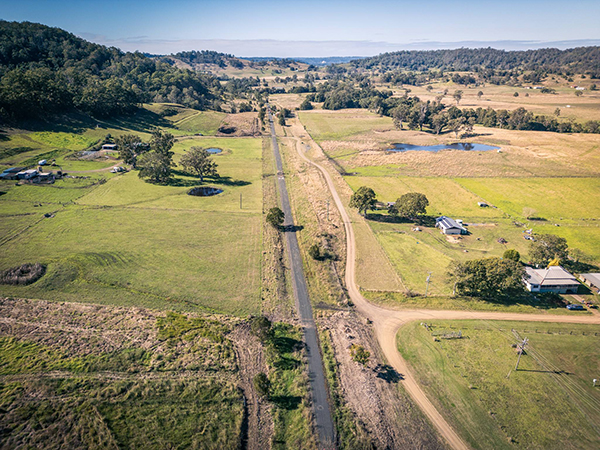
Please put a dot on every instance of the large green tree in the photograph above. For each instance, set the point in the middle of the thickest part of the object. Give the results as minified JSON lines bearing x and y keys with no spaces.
{"x":128,"y":146}
{"x":488,"y":277}
{"x":363,"y":199}
{"x":275,"y":217}
{"x":410,"y":205}
{"x":547,"y":247}
{"x":155,"y":167}
{"x":198,"y":162}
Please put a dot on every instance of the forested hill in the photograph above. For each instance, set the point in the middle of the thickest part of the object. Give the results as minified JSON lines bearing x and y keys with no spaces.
{"x":45,"y":70}
{"x":582,"y":60}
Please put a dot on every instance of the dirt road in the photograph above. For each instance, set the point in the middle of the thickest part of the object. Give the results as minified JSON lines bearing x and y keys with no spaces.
{"x":387,"y":322}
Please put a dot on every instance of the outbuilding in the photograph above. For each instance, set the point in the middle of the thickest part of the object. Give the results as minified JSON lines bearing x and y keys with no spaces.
{"x":450,"y":226}
{"x":27,"y":174}
{"x":592,"y":280}
{"x":553,"y":279}
{"x":109,"y":147}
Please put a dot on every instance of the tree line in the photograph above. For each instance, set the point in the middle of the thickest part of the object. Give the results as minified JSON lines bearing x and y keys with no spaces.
{"x":584,"y":60}
{"x":48,"y":70}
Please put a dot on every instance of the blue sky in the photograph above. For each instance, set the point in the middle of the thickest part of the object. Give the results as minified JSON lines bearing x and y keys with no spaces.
{"x":316,"y":28}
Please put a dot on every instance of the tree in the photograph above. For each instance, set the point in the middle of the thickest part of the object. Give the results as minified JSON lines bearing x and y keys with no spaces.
{"x":456,"y":125}
{"x":479,"y":95}
{"x":516,"y":94}
{"x":281,"y":119}
{"x":528,"y":213}
{"x":261,"y":328}
{"x":410,"y":205}
{"x":359,"y":354}
{"x":262,"y":384}
{"x":363,"y":199}
{"x":457,"y":96}
{"x":488,"y":277}
{"x":512,"y":254}
{"x":314,"y":251}
{"x":162,"y":143}
{"x":399,"y":115}
{"x":548,"y":247}
{"x":578,"y":93}
{"x":275,"y":217}
{"x":198,"y":162}
{"x":155,"y":167}
{"x":438,"y":122}
{"x":306,"y":105}
{"x":128,"y":146}
{"x":557,"y":112}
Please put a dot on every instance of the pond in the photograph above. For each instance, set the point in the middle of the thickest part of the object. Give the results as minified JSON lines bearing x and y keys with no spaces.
{"x":204,"y":191}
{"x":214,"y":150}
{"x":436,"y":148}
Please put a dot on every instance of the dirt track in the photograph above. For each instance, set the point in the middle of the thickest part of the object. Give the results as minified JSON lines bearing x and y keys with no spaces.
{"x":387,"y":322}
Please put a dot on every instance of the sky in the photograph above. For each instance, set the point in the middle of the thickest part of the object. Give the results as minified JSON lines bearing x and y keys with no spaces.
{"x":322,"y":28}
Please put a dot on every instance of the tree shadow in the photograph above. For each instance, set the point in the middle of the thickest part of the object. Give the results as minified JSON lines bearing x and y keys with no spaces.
{"x":426,"y":221}
{"x":225,"y":181}
{"x":286,"y":363}
{"x":286,"y":345}
{"x":292,"y":228}
{"x":388,"y":373}
{"x":580,"y":267}
{"x":287,"y":402}
{"x":3,"y":136}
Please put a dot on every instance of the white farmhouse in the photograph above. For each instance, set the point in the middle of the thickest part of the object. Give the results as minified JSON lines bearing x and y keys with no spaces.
{"x":553,"y":279}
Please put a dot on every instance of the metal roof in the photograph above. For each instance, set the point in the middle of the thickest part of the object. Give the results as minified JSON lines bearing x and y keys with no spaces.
{"x":447,"y":223}
{"x":552,"y":276}
{"x":593,"y":278}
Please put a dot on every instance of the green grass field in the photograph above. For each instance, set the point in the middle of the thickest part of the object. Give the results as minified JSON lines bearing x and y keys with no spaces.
{"x":116,"y":239}
{"x":549,"y":403}
{"x":336,"y":125}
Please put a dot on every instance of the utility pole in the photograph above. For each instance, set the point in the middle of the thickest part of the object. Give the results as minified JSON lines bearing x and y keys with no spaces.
{"x":521,"y":348}
{"x":427,"y":286}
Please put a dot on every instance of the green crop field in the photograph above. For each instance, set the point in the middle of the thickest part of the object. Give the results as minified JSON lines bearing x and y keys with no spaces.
{"x":549,"y":403}
{"x":116,"y":239}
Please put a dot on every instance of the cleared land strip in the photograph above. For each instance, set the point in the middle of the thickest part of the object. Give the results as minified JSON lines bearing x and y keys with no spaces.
{"x":321,"y":409}
{"x":387,"y":322}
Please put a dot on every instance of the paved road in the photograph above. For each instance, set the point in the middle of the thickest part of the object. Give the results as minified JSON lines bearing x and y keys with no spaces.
{"x":321,"y":410}
{"x":387,"y":322}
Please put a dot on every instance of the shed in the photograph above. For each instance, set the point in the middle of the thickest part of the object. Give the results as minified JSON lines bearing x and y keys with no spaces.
{"x":592,"y":280}
{"x":109,"y":147}
{"x":450,"y":226}
{"x":27,"y":174}
{"x":483,"y":204}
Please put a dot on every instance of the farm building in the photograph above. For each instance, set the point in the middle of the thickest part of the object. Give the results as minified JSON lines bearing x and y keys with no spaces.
{"x":592,"y":280}
{"x":109,"y":147}
{"x":553,"y":279}
{"x":27,"y":174}
{"x":450,"y":226}
{"x":10,"y":174}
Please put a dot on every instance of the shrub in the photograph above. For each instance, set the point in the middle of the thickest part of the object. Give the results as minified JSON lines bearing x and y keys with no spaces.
{"x":262,"y":384}
{"x":23,"y":275}
{"x":315,"y":251}
{"x":512,"y":254}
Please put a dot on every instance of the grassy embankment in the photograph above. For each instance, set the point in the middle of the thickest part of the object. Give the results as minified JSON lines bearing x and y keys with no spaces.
{"x":548,"y":403}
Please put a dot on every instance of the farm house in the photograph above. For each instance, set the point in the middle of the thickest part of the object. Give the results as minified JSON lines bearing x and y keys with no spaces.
{"x":553,"y":279}
{"x":450,"y":226}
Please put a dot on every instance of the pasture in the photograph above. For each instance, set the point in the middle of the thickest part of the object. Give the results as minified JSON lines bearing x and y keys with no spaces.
{"x":548,"y":403}
{"x":115,"y":239}
{"x":554,"y":175}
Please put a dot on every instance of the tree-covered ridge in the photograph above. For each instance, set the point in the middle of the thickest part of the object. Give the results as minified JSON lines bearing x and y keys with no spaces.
{"x":48,"y":70}
{"x":577,"y":60}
